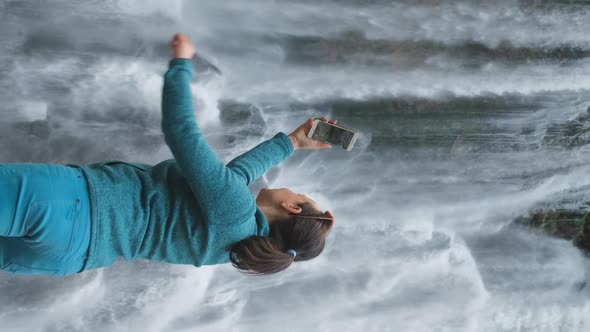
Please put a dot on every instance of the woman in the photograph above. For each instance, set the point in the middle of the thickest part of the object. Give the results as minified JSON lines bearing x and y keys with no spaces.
{"x":60,"y":220}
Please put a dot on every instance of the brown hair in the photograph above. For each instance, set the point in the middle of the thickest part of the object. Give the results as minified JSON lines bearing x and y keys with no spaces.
{"x":259,"y":255}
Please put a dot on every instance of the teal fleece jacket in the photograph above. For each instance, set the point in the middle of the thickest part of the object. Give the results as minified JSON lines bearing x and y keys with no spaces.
{"x":188,"y":210}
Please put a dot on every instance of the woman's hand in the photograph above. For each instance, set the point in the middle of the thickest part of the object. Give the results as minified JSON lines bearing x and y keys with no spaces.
{"x":301,"y":141}
{"x":182,"y":47}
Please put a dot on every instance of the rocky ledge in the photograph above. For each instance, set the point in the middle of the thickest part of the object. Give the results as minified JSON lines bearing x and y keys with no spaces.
{"x":571,"y":225}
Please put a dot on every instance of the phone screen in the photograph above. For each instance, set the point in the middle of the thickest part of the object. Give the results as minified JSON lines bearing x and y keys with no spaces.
{"x":333,"y":135}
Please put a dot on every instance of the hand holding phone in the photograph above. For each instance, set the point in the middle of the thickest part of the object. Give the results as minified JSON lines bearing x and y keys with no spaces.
{"x":321,"y":133}
{"x":329,"y":133}
{"x":301,"y":141}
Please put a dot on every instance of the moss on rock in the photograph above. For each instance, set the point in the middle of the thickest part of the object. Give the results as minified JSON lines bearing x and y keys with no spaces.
{"x":566,"y":224}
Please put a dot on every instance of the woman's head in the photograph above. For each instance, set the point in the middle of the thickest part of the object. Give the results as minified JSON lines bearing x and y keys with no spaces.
{"x":279,"y":203}
{"x":298,"y":230}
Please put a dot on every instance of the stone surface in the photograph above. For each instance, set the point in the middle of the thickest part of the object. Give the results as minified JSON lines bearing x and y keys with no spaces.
{"x":566,"y":224}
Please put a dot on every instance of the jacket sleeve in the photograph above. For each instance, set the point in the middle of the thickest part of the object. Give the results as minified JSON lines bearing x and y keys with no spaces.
{"x":254,"y":163}
{"x":222,"y":195}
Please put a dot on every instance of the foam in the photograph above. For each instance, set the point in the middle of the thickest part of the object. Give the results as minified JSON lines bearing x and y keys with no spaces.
{"x":420,"y":242}
{"x":25,"y":111}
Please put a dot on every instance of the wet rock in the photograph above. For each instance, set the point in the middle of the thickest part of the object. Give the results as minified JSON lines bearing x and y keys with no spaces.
{"x":40,"y":129}
{"x":353,"y":47}
{"x":246,"y":120}
{"x":571,"y":134}
{"x":571,"y":225}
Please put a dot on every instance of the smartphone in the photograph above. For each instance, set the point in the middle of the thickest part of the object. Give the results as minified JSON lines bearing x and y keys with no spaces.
{"x":333,"y":134}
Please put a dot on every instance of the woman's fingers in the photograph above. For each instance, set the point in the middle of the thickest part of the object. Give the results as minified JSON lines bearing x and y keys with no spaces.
{"x":182,"y":47}
{"x":176,"y":39}
{"x":323,"y":118}
{"x":179,"y":37}
{"x":300,"y":139}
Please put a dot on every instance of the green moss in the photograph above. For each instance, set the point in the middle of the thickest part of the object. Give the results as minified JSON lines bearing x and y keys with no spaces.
{"x":582,"y":223}
{"x":566,"y":224}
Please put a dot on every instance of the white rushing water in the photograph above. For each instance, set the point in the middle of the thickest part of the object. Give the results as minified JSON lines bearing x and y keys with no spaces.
{"x":461,"y":105}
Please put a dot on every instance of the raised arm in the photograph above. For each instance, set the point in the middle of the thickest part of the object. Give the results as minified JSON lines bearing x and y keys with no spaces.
{"x":217,"y":189}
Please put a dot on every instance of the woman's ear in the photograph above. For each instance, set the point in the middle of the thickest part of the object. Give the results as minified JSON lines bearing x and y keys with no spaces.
{"x":291,"y":208}
{"x":331,"y":222}
{"x":329,"y":213}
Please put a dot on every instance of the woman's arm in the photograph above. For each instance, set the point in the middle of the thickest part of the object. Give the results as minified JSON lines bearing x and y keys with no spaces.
{"x":254,"y":163}
{"x":220,"y":193}
{"x":218,"y":189}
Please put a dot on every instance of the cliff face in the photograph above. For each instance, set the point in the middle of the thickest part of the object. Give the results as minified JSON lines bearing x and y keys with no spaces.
{"x":571,"y":134}
{"x":566,"y":224}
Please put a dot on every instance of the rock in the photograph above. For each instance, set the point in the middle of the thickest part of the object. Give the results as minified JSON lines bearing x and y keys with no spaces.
{"x":40,"y":129}
{"x":571,"y":134}
{"x":566,"y":224}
